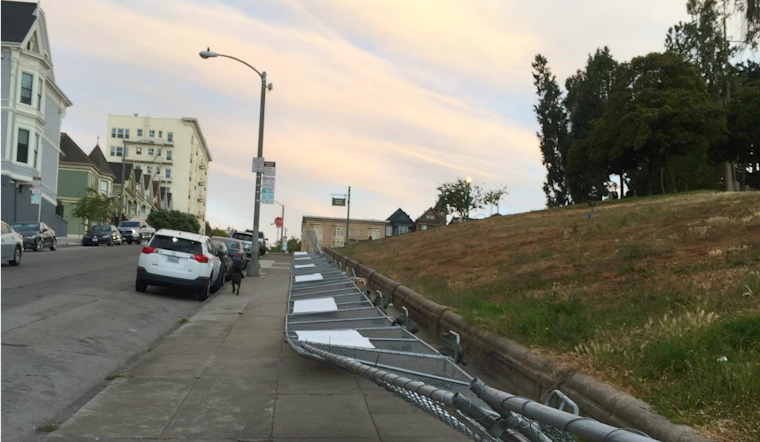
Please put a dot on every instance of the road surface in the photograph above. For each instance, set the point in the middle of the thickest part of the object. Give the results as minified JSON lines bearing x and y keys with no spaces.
{"x":71,"y":318}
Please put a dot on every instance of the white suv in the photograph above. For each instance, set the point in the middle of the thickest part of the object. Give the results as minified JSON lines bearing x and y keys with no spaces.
{"x":180,"y":259}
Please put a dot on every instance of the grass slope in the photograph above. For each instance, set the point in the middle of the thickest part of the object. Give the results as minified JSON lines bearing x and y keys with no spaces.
{"x":658,"y":295}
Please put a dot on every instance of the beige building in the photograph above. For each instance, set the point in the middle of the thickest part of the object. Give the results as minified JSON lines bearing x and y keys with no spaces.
{"x":331,"y":232}
{"x":173,"y":151}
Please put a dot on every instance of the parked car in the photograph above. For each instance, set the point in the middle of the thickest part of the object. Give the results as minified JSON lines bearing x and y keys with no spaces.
{"x":247,"y":239}
{"x":180,"y":259}
{"x":135,"y":231}
{"x":237,"y":251}
{"x":224,"y":254}
{"x":13,"y":245}
{"x":103,"y":234}
{"x":37,"y":236}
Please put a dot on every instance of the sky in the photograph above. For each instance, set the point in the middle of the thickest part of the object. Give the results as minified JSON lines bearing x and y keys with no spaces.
{"x":390,"y":97}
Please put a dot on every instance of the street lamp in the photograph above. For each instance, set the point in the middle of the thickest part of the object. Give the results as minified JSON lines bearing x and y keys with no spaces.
{"x":253,"y":270}
{"x":467,"y":181}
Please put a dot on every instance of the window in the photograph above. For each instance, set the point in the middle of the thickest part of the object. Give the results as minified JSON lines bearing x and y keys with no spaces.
{"x":137,"y":167}
{"x":429,"y":216}
{"x":39,"y":94}
{"x":389,"y":231}
{"x":351,"y":232}
{"x":177,"y":244}
{"x":22,"y":152}
{"x":139,"y":132}
{"x":113,"y":132}
{"x":36,"y":150}
{"x":126,"y":133}
{"x":402,"y":230}
{"x":159,"y":152}
{"x":116,"y":151}
{"x":126,"y":152}
{"x":103,"y":187}
{"x":27,"y":80}
{"x":169,"y":136}
{"x":191,"y":160}
{"x":192,"y":140}
{"x":168,"y":173}
{"x":423,"y":227}
{"x":150,"y":151}
{"x":150,"y":170}
{"x":151,"y":133}
{"x":138,"y":150}
{"x":360,"y":233}
{"x":160,"y":133}
{"x":168,"y":154}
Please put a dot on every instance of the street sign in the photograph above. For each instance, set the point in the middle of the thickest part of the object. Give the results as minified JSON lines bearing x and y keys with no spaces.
{"x":258,"y":165}
{"x":285,"y":247}
{"x":36,"y":190}
{"x":278,"y":222}
{"x":338,"y":201}
{"x":267,"y":190}
{"x":269,"y":168}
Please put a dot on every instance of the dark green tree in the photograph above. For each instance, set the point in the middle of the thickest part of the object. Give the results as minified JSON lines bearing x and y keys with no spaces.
{"x":458,"y":199}
{"x":174,"y":220}
{"x":659,"y":109}
{"x":216,"y":232}
{"x":493,"y":197}
{"x":743,"y":143}
{"x":587,"y":94}
{"x":294,"y":245}
{"x":96,"y":208}
{"x":553,"y":137}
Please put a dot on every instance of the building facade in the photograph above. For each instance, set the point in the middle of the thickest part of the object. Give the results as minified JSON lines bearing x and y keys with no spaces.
{"x":331,"y":232}
{"x":173,"y":151}
{"x":33,"y":107}
{"x":77,"y":175}
{"x":429,"y":219}
{"x":399,"y":224}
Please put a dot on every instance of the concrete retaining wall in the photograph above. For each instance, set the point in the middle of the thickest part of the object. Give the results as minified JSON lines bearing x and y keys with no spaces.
{"x":524,"y":372}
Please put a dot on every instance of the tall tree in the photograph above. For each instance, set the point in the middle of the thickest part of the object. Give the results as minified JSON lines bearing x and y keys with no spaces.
{"x":493,"y":197}
{"x":587,"y":94}
{"x":460,"y":198}
{"x":95,"y":208}
{"x":659,"y":108}
{"x":173,"y":219}
{"x":553,"y":137}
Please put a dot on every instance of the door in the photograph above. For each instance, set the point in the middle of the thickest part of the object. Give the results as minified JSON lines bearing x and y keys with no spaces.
{"x":318,"y":231}
{"x":214,"y":259}
{"x":8,"y":243}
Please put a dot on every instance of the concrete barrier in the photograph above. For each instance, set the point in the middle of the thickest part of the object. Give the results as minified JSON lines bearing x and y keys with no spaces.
{"x":524,"y":372}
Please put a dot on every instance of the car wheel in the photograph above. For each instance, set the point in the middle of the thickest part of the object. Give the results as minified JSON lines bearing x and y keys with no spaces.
{"x":16,"y":257}
{"x":54,"y":244}
{"x":204,"y":291}
{"x":219,"y":281}
{"x":129,"y":242}
{"x":38,"y":246}
{"x":140,"y":286}
{"x":110,"y":242}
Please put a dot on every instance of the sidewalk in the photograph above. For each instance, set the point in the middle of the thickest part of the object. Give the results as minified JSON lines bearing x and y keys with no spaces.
{"x":228,"y":375}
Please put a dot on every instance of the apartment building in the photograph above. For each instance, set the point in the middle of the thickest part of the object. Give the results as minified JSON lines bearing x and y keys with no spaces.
{"x":173,"y":151}
{"x":331,"y":232}
{"x":33,"y":107}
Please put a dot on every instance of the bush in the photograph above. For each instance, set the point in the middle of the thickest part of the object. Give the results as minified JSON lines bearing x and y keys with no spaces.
{"x":174,"y":220}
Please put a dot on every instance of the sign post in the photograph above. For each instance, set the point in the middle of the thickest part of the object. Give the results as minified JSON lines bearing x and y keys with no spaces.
{"x":267,"y":190}
{"x":268,"y":168}
{"x":37,"y":195}
{"x":258,"y":165}
{"x":341,"y":200}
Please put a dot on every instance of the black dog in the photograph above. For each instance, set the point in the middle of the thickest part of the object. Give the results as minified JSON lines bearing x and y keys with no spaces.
{"x":237,"y":278}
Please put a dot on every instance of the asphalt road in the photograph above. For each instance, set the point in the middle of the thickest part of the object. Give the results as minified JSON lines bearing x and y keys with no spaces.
{"x":71,"y":318}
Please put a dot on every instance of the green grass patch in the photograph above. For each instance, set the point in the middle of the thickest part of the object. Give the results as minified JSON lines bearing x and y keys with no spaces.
{"x":115,"y":376}
{"x":183,"y":321}
{"x":49,"y":428}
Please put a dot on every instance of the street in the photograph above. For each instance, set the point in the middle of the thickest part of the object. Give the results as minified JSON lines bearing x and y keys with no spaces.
{"x":71,"y":318}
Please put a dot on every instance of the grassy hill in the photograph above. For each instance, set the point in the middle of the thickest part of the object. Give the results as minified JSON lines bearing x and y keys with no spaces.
{"x":651,"y":294}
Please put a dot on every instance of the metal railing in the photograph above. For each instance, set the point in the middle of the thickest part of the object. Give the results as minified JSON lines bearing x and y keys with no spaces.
{"x":395,"y":359}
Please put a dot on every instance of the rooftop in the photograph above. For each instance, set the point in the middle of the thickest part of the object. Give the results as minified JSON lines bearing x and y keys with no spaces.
{"x":357,"y":220}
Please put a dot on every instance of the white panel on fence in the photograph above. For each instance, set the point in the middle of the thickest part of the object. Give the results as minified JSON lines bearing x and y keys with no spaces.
{"x":301,"y":259}
{"x":343,"y":338}
{"x":315,"y":305}
{"x":312,"y":277}
{"x":299,"y":253}
{"x":303,"y":266}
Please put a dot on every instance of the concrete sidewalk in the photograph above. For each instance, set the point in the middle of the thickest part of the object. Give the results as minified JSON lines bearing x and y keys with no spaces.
{"x":228,"y":375}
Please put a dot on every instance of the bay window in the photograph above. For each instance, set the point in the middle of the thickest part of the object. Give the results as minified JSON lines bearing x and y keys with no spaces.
{"x":22,"y":146}
{"x":27,"y":80}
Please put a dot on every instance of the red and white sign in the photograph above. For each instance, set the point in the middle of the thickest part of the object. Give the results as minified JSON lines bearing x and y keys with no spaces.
{"x":278,"y":222}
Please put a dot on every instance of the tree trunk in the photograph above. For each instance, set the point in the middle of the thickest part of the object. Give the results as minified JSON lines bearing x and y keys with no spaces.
{"x":662,"y":179}
{"x":622,"y":186}
{"x":744,"y":179}
{"x":728,"y":176}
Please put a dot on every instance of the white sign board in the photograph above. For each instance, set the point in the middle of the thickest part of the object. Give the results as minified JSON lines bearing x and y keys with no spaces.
{"x":306,"y":278}
{"x":315,"y":305}
{"x":267,"y":190}
{"x":36,"y":190}
{"x":258,"y":165}
{"x":269,"y":167}
{"x":343,"y":338}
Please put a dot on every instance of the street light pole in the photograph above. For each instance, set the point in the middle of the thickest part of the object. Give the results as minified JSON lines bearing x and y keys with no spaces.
{"x":253,"y":270}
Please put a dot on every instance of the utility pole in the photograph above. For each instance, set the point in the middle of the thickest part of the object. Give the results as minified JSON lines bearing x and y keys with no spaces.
{"x":348,"y":212}
{"x":254,"y":270}
{"x":123,"y":172}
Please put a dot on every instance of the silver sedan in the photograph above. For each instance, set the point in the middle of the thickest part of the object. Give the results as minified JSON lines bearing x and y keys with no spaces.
{"x":13,"y":245}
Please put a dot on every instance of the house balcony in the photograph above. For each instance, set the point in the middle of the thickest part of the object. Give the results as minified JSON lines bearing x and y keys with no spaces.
{"x":202,"y":166}
{"x":202,"y":182}
{"x":165,"y":179}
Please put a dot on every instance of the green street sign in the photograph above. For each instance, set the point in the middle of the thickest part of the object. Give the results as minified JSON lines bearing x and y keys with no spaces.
{"x":338,"y":201}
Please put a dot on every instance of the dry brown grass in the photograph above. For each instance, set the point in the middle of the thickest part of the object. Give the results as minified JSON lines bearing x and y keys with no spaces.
{"x":602,"y":281}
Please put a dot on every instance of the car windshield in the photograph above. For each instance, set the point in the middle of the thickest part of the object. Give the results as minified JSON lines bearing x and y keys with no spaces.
{"x":232,"y":245}
{"x":243,"y":236}
{"x":129,"y":224}
{"x":218,"y":245}
{"x":27,"y":227}
{"x":101,"y":229}
{"x":176,"y":244}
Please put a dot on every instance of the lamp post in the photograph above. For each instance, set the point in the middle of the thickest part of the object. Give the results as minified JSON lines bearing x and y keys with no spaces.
{"x":468,"y":181}
{"x":282,"y":229}
{"x":253,"y":270}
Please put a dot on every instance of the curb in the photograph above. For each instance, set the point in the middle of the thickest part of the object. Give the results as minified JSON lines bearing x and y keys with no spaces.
{"x":524,"y":372}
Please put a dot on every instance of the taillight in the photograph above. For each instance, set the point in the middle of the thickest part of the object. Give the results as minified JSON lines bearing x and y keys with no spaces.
{"x":147,"y":249}
{"x":239,"y":253}
{"x":201,"y":258}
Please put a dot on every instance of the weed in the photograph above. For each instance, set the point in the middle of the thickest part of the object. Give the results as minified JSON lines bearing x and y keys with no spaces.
{"x":183,"y":321}
{"x":115,"y":376}
{"x":49,"y":428}
{"x":637,"y":250}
